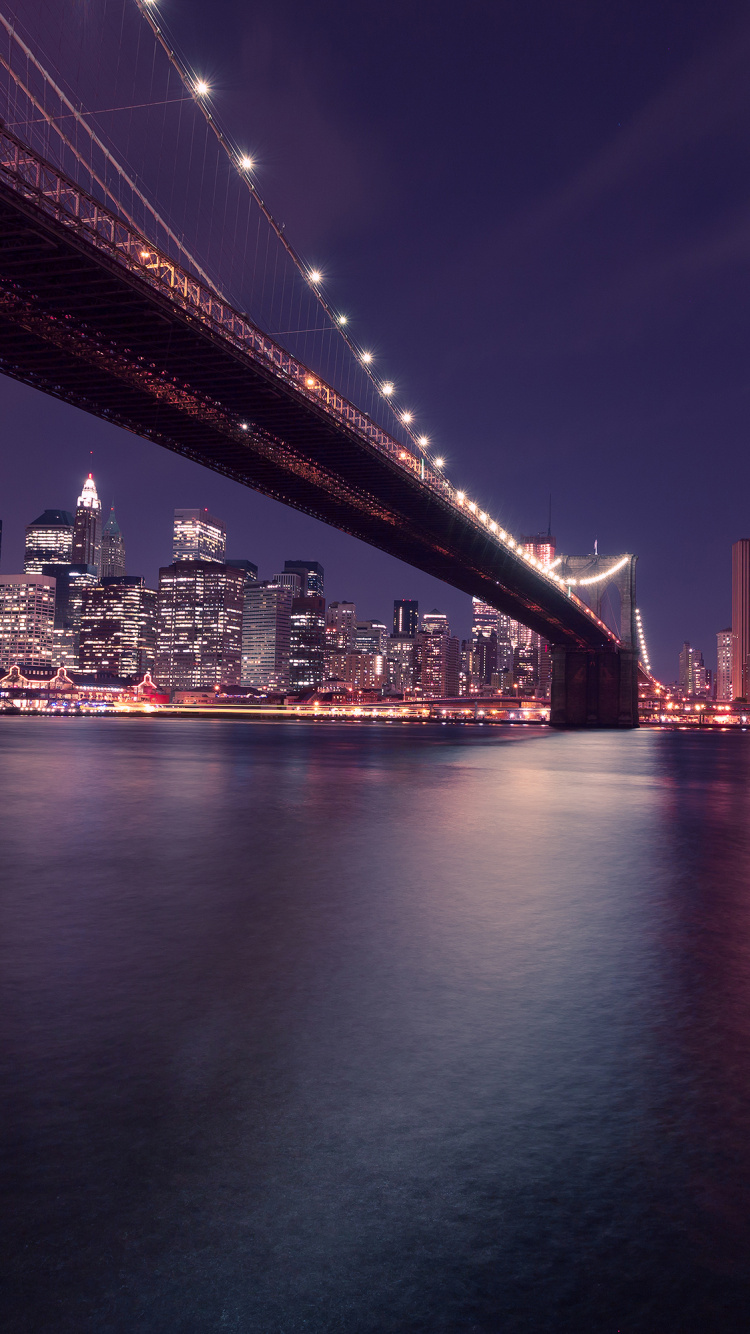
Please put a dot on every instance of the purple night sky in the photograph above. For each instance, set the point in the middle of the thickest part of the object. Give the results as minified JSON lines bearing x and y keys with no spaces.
{"x":538,"y":216}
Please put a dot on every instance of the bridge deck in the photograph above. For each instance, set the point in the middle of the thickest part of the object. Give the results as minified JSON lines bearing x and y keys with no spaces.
{"x":79,"y":322}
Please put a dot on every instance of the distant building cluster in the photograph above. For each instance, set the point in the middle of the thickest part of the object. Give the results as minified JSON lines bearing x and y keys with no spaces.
{"x":732,"y":678}
{"x":213,"y":624}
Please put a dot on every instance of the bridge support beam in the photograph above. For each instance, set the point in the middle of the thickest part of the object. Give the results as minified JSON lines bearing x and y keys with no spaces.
{"x":594,"y":688}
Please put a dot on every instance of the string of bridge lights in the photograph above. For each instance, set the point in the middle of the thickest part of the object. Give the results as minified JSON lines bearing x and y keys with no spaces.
{"x":200,"y":91}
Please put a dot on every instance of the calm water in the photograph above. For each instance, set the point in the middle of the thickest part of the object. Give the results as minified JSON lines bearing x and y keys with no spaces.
{"x":350,"y":1028}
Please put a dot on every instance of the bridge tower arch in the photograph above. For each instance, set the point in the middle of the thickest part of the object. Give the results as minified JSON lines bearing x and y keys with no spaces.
{"x":590,"y":687}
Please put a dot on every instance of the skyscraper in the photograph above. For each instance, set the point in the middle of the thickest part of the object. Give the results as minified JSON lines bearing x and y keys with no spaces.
{"x":27,"y":618}
{"x":405,"y":617}
{"x":401,"y":653}
{"x":71,"y":584}
{"x":118,"y":627}
{"x":199,"y":536}
{"x":438,"y":657}
{"x":741,"y":618}
{"x":266,"y":637}
{"x":113,"y":548}
{"x":49,"y":541}
{"x":693,"y":677}
{"x":307,"y":642}
{"x":724,"y":664}
{"x":311,"y":572}
{"x":87,"y":532}
{"x":199,"y":625}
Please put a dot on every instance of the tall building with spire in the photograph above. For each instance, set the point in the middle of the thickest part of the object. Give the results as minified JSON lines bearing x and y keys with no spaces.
{"x":87,"y":532}
{"x":113,"y":549}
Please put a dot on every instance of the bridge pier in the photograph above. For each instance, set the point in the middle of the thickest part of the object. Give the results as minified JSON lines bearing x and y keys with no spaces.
{"x":594,"y":688}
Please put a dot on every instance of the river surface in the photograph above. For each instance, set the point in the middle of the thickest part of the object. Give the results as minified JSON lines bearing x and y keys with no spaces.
{"x":373,"y":1028}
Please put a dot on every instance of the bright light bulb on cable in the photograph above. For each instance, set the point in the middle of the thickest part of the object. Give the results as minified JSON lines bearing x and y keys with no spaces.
{"x":423,"y":441}
{"x":407,"y":417}
{"x":247,"y":163}
{"x":316,"y":276}
{"x":343,"y":319}
{"x":201,"y":87}
{"x":367,"y":358}
{"x":388,"y":389}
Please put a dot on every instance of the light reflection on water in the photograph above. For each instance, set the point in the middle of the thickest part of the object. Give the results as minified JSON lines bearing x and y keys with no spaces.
{"x":373,"y":1028}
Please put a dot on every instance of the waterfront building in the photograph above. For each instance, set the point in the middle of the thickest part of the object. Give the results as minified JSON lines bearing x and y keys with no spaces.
{"x":199,"y":625}
{"x":49,"y":541}
{"x":724,"y":665}
{"x":87,"y":530}
{"x":693,"y":678}
{"x":405,"y":617}
{"x":361,"y":671}
{"x":266,"y":636}
{"x":27,"y":619}
{"x":741,"y":618}
{"x":118,"y":627}
{"x":113,"y":548}
{"x":401,"y":657}
{"x":311,"y":573}
{"x":307,"y":642}
{"x":198,"y":536}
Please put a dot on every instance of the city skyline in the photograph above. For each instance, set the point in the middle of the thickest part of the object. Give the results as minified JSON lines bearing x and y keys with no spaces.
{"x":197,"y":533}
{"x":615,"y":382}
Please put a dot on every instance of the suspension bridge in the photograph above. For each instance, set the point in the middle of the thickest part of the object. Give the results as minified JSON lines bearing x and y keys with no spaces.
{"x":104,"y":305}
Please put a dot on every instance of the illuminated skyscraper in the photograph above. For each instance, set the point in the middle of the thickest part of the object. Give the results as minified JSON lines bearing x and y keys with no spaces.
{"x":401,"y":654}
{"x":693,"y":677}
{"x":405,"y":617}
{"x":438,"y":658}
{"x":199,"y":536}
{"x":87,"y":532}
{"x":266,"y":637}
{"x":307,"y":642}
{"x":113,"y":548}
{"x":724,"y":665}
{"x":199,"y":625}
{"x":118,"y":627}
{"x":311,"y":573}
{"x":341,"y":628}
{"x":27,"y":618}
{"x":71,"y":583}
{"x":741,"y":618}
{"x":49,"y":541}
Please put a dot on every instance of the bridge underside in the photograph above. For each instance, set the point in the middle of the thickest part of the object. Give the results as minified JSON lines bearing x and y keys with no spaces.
{"x":76,"y":324}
